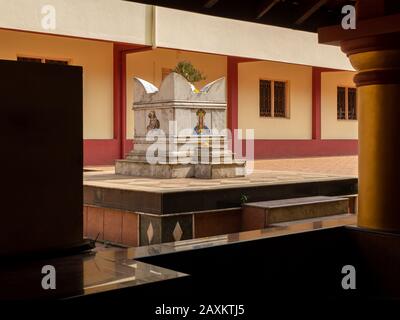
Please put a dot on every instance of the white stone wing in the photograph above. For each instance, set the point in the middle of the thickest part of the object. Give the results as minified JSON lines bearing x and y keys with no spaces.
{"x":148,"y":87}
{"x":142,"y":89}
{"x":215,"y":90}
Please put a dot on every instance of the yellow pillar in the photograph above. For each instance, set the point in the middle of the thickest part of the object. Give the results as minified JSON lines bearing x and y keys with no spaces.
{"x":377,"y":60}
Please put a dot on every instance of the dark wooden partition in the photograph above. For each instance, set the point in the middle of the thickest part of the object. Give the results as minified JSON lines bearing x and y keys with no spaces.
{"x":40,"y":157}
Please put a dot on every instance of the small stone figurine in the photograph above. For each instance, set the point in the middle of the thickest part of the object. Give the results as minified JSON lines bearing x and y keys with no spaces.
{"x":154,"y":123}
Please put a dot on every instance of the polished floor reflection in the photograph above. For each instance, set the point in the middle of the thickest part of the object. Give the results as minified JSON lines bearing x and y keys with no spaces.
{"x":112,"y":269}
{"x":77,"y":275}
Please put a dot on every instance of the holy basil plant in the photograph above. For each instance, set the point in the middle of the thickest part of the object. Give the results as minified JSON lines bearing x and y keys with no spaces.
{"x":189,"y":72}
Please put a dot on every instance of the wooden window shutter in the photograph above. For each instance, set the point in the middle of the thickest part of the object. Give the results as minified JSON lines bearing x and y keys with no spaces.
{"x":265,"y":98}
{"x":341,"y":103}
{"x":352,"y":103}
{"x":279,"y":99}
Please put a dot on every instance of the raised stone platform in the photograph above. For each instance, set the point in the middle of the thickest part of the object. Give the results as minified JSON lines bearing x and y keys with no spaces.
{"x":141,"y":211}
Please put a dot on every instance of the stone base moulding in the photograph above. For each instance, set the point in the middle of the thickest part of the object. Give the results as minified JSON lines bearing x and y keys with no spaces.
{"x":142,"y":169}
{"x":160,"y":229}
{"x":113,"y":225}
{"x":140,"y":229}
{"x":169,"y":171}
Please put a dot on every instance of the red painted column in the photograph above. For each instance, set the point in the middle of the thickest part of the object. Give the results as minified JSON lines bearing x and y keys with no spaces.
{"x":316,"y":103}
{"x":106,"y":151}
{"x":120,"y":53}
{"x":233,"y":87}
{"x":123,"y":105}
{"x":117,"y":110}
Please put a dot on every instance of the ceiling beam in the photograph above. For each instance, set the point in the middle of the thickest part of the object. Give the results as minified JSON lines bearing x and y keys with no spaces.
{"x":210,"y":3}
{"x":317,"y":5}
{"x":365,"y":28}
{"x":370,"y":9}
{"x":267,"y":7}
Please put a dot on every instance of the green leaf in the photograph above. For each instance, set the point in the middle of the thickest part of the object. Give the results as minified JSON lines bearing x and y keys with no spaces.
{"x":189,"y":72}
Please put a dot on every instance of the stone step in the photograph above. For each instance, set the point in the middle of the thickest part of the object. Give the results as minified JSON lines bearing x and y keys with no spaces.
{"x":189,"y":160}
{"x":333,"y":220}
{"x":213,"y":151}
{"x":178,"y":170}
{"x":216,"y":156}
{"x":185,"y":146}
{"x":259,"y":215}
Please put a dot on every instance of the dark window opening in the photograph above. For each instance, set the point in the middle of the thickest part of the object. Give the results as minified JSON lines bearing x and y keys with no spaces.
{"x":52,"y":61}
{"x":43,"y":60}
{"x":341,"y":103}
{"x":346,"y":103}
{"x":279,"y":99}
{"x":265,"y":98}
{"x":273,"y":99}
{"x":352,"y":104}
{"x":27,"y":59}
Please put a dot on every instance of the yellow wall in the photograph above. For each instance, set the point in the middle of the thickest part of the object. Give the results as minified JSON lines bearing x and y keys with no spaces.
{"x":298,"y":125}
{"x":95,"y":57}
{"x":148,"y":66}
{"x":331,"y":127}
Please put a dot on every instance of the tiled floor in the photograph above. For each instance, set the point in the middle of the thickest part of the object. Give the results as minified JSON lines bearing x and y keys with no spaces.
{"x":338,"y":166}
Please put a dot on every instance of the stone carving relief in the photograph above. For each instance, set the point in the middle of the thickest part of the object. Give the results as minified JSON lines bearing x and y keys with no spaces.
{"x":154,"y":123}
{"x":201,"y":127}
